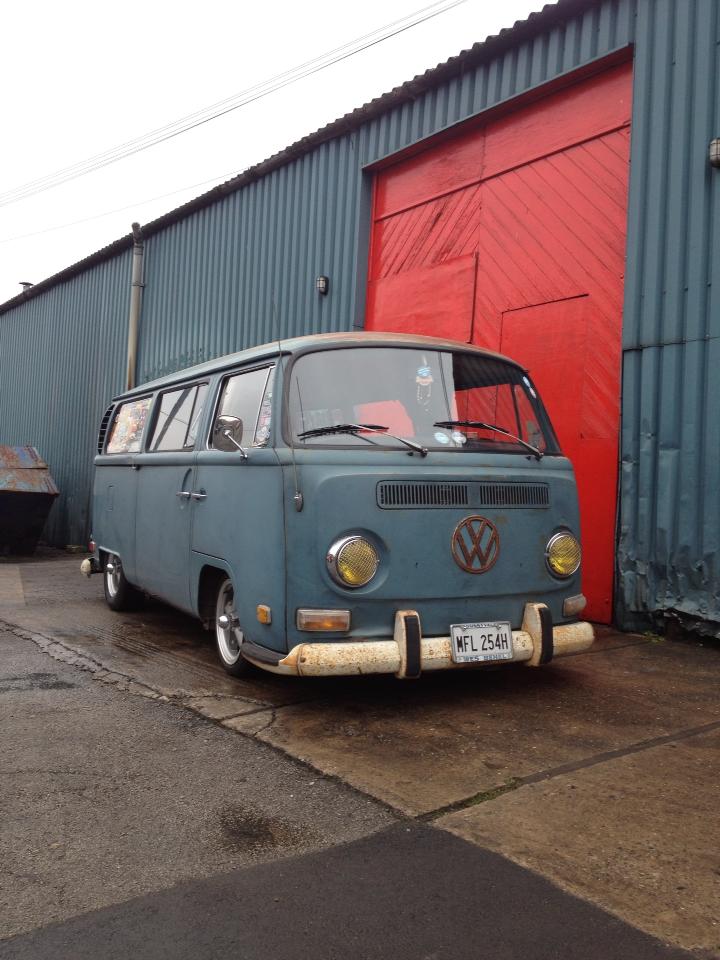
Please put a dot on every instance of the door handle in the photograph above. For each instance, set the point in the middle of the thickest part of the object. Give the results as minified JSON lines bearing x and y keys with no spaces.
{"x":183,"y":494}
{"x":199,"y":496}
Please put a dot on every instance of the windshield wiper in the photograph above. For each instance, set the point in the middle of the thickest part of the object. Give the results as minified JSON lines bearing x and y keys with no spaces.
{"x":490,"y":426}
{"x":356,"y":429}
{"x":339,"y":428}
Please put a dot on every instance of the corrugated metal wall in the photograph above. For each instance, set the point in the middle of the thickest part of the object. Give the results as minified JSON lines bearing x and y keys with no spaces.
{"x":62,"y":356}
{"x":670,"y":482}
{"x":242,"y":272}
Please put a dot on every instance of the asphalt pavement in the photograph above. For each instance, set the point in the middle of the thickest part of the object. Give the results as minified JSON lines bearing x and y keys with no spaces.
{"x":409,"y":892}
{"x":136,"y":828}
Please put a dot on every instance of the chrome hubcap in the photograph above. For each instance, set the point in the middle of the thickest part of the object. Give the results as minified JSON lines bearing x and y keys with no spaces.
{"x":227,"y":626}
{"x":113,"y":572}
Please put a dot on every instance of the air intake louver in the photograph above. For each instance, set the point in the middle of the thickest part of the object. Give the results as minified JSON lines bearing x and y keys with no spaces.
{"x":417,"y":494}
{"x":103,"y":429}
{"x":514,"y":495}
{"x":409,"y":494}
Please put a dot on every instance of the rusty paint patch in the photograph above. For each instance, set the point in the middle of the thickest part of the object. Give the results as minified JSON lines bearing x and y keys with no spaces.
{"x":22,"y":470}
{"x":24,"y":458}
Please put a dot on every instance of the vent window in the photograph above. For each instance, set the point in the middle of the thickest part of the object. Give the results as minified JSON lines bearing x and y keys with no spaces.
{"x":103,"y":428}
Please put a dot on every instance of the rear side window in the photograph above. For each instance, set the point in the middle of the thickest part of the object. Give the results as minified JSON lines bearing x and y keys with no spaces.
{"x":128,"y":426}
{"x":243,"y":413}
{"x":179,"y":413}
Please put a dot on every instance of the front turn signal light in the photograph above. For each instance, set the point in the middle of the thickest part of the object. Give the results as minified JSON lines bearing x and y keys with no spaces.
{"x":572,"y":606}
{"x":264,"y":613}
{"x":563,"y":554}
{"x":317,"y":621}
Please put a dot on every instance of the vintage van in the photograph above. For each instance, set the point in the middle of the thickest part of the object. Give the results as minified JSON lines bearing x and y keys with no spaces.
{"x":344,"y":504}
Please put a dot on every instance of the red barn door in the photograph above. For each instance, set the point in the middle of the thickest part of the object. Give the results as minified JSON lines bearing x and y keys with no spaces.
{"x":512,"y":236}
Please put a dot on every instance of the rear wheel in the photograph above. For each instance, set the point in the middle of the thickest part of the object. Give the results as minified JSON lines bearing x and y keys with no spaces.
{"x":228,"y":632}
{"x":119,"y":594}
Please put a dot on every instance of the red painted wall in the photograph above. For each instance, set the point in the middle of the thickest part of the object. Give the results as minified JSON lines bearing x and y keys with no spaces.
{"x":512,"y":236}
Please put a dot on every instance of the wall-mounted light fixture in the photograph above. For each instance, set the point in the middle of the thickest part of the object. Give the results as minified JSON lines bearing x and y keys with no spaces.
{"x":322,"y":285}
{"x":714,"y":152}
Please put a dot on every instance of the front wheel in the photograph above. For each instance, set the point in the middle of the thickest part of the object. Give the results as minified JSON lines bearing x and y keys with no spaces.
{"x":119,"y":594}
{"x":228,"y":632}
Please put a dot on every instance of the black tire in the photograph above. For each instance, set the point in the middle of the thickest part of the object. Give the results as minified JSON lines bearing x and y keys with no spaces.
{"x":229,"y":638}
{"x":119,"y":594}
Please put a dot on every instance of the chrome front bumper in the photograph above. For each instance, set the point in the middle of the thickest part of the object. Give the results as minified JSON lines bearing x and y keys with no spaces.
{"x":408,"y":653}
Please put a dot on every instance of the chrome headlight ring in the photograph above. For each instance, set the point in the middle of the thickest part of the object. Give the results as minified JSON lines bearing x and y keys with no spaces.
{"x":352,"y":561}
{"x":563,"y":548}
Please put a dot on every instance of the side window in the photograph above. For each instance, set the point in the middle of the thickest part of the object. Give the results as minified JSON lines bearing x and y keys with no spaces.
{"x":178,"y":416}
{"x":128,"y":426}
{"x":244,"y":411}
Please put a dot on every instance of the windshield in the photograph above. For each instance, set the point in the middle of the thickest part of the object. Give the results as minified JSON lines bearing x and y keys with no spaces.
{"x":437,"y":399}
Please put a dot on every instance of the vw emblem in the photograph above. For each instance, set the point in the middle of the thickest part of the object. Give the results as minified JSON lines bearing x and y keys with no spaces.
{"x":475,"y":544}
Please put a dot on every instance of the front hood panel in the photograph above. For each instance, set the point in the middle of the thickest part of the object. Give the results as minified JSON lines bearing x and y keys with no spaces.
{"x":413,"y":532}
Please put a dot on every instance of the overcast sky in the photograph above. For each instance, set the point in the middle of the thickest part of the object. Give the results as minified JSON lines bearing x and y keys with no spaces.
{"x":83,"y":76}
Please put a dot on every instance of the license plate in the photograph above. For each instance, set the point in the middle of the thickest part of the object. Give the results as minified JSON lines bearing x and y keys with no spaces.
{"x":481,"y":642}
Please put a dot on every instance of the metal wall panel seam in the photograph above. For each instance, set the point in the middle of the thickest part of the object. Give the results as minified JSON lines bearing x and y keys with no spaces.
{"x":264,"y":313}
{"x":328,"y":232}
{"x":700,"y":318}
{"x":657,"y":181}
{"x":294,"y":186}
{"x":675,"y":245}
{"x":607,"y":25}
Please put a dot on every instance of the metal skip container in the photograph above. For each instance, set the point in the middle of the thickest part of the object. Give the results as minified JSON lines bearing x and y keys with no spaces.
{"x":27,"y":492}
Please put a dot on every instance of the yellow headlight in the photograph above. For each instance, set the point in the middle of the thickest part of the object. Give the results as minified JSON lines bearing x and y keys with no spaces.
{"x":353,"y":561}
{"x":563,"y":554}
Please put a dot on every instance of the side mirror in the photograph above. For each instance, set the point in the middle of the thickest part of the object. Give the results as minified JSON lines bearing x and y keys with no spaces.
{"x":227,"y":434}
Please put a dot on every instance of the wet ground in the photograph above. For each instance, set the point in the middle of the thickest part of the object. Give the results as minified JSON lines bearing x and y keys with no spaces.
{"x":598,"y":771}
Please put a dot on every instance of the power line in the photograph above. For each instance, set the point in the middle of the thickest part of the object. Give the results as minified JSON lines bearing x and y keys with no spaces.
{"x":220,"y":178}
{"x":222,"y":107}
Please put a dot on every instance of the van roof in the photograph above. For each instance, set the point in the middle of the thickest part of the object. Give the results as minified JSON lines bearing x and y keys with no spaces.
{"x":321,"y":341}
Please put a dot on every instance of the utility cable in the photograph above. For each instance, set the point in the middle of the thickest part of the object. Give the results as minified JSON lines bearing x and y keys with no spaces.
{"x":222,"y":107}
{"x":220,"y":178}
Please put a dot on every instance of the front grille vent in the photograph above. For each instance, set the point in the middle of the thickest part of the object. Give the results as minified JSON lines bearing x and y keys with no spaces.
{"x":417,"y":494}
{"x":513,"y":495}
{"x":103,"y":429}
{"x":411,"y":493}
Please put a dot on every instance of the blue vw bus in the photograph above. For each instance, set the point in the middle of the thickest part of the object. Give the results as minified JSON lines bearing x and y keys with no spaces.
{"x":344,"y":504}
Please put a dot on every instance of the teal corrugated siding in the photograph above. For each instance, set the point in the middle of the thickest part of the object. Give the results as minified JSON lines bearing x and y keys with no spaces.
{"x":62,"y":356}
{"x":242,"y":272}
{"x":669,"y":539}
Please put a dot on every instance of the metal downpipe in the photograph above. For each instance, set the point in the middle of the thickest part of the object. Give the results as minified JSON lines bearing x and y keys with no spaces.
{"x":136,"y":287}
